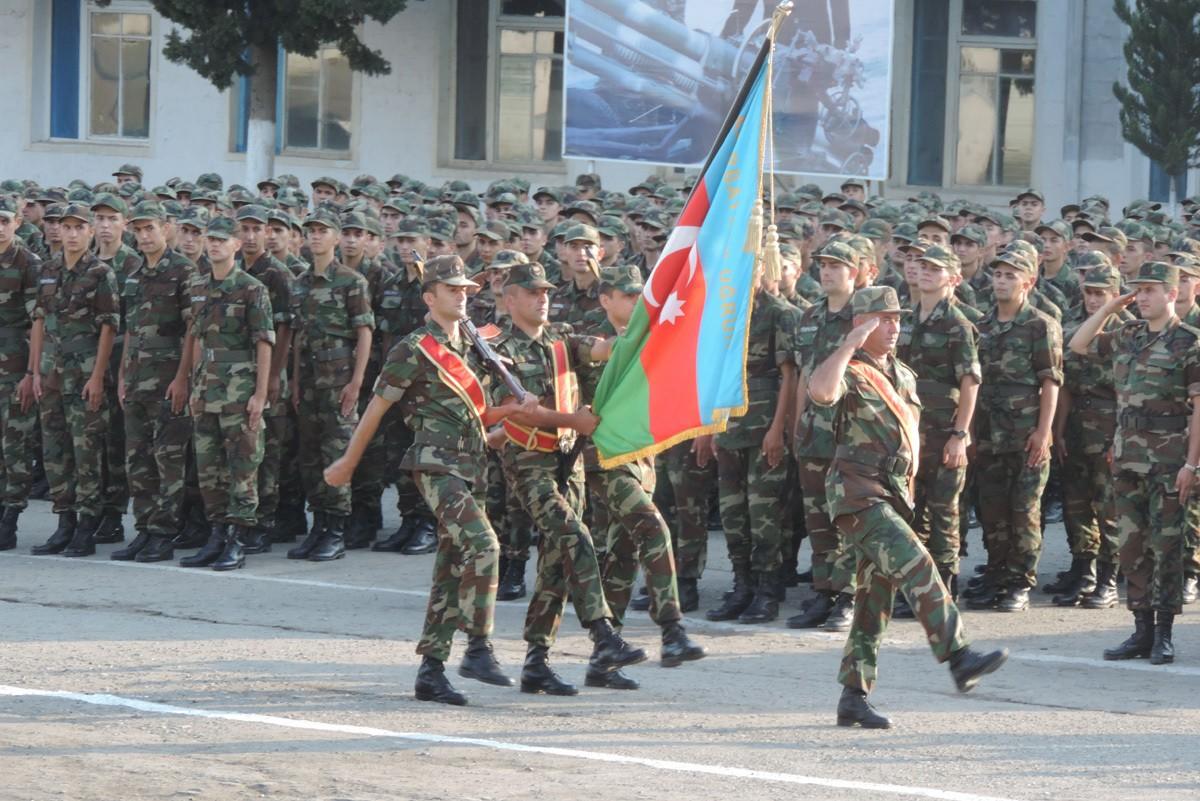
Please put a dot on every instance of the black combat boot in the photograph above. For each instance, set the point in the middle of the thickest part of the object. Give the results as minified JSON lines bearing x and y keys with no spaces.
{"x":83,"y":542}
{"x":611,"y":652}
{"x":641,"y":601}
{"x":424,"y":538}
{"x":814,"y":612}
{"x":1162,"y":651}
{"x":233,"y":556}
{"x":110,"y":529}
{"x":360,"y":529}
{"x":736,"y":601}
{"x":512,"y":583}
{"x":332,"y":545}
{"x":130,"y":551}
{"x":290,"y":523}
{"x":689,"y":595}
{"x":842,"y":614}
{"x":257,"y":538}
{"x":677,"y":647}
{"x":309,"y":543}
{"x":538,"y":677}
{"x":432,"y":684}
{"x":1016,"y":599}
{"x":8,"y":528}
{"x":764,"y":605}
{"x":616,"y":680}
{"x":1083,"y":584}
{"x":968,"y":667}
{"x":61,"y":537}
{"x":855,"y":710}
{"x":1105,"y":594}
{"x":1065,"y":580}
{"x":211,"y":551}
{"x":479,"y":663}
{"x":192,"y":534}
{"x":1140,"y":642}
{"x":158,"y":549}
{"x":399,"y":538}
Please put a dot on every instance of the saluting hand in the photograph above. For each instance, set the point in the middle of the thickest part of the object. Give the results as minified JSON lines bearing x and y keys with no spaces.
{"x":858,"y":335}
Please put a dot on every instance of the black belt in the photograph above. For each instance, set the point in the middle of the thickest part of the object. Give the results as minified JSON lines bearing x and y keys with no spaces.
{"x":1007,"y":389}
{"x":224,"y":356}
{"x":437,"y":439}
{"x":157,"y":343}
{"x":897,"y":465}
{"x":329,"y":354}
{"x":1094,"y":403}
{"x":1164,"y":423}
{"x":76,"y":345}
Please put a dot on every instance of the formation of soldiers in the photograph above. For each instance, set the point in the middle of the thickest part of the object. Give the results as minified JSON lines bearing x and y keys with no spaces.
{"x":251,"y":368}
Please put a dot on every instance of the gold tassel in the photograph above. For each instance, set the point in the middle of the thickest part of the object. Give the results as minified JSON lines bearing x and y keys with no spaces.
{"x":755,"y":232}
{"x":772,"y":258}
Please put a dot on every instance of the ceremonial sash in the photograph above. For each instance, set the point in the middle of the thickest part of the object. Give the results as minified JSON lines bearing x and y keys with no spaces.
{"x":456,"y":375}
{"x":899,"y":408}
{"x":566,"y":400}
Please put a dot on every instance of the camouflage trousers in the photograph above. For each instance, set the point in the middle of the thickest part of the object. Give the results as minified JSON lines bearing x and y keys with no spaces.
{"x":115,"y":482}
{"x":832,"y":561}
{"x":366,"y":488}
{"x":73,"y":451}
{"x":156,"y":463}
{"x":1089,"y":508}
{"x":890,"y":558}
{"x":1153,"y":539}
{"x":227,"y":457}
{"x":637,"y":533}
{"x":277,"y":434}
{"x":512,"y":523}
{"x":690,"y":485}
{"x":466,"y":568}
{"x":17,"y":444}
{"x":752,"y":509}
{"x":291,"y":487}
{"x":397,"y":439}
{"x":937,"y":492}
{"x":1192,"y":543}
{"x":793,"y":516}
{"x":324,"y":434}
{"x":1010,"y":511}
{"x":567,"y":563}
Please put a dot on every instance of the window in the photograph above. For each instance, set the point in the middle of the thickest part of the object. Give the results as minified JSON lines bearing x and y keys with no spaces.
{"x":995,"y":117}
{"x":318,"y":101}
{"x":508,"y":75}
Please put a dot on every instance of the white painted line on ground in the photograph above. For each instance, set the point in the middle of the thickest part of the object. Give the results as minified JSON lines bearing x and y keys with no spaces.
{"x":498,"y":745}
{"x":1130,"y":664}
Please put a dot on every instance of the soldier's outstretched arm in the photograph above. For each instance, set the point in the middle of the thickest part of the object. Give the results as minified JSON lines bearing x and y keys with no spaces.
{"x":827,"y":378}
{"x":341,"y":471}
{"x":1092,"y":325}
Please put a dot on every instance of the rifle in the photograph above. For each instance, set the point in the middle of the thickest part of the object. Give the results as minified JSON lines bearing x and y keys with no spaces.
{"x":491,"y":359}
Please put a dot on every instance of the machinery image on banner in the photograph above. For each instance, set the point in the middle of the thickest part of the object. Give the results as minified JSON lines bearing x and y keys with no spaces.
{"x":652,"y":80}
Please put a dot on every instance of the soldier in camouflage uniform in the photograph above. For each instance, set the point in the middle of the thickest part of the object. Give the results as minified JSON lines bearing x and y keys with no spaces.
{"x":332,"y":347}
{"x":691,"y":475}
{"x":581,"y":292}
{"x":1156,"y":450}
{"x":430,"y":374}
{"x":752,"y":466}
{"x":233,"y":334}
{"x":1020,"y":351}
{"x":74,"y":324}
{"x":1056,"y":241}
{"x":19,"y":271}
{"x":549,"y":482}
{"x":152,"y":386}
{"x":874,"y":402}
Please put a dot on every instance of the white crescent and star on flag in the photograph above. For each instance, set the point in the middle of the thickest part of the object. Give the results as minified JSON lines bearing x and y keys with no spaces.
{"x":671,"y":308}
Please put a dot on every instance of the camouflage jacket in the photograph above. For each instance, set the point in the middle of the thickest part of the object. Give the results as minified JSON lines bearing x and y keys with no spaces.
{"x":296,"y":265}
{"x":1067,"y":285}
{"x":447,"y":435}
{"x":401,"y":309}
{"x":553,"y":267}
{"x":481,"y":307}
{"x":333,"y":305}
{"x":75,"y":302}
{"x":1092,"y":419}
{"x":34,"y":239}
{"x":570,"y":304}
{"x":818,"y":333}
{"x":158,"y":307}
{"x":19,"y":269}
{"x":872,"y":459}
{"x":797,"y":300}
{"x":595,"y":323}
{"x":942,"y":350}
{"x":768,"y":347}
{"x":963,"y":293}
{"x":277,"y":278}
{"x":124,"y":263}
{"x":229,"y":319}
{"x":1016,"y":356}
{"x":1156,"y":376}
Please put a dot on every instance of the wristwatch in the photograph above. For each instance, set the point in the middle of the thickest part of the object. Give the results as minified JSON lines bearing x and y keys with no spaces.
{"x":1195,"y":468}
{"x":959,"y":434}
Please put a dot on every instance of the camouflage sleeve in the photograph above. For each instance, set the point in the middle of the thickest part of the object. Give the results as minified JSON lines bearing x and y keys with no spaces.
{"x":283,"y":308}
{"x":1047,"y":352}
{"x":29,"y":281}
{"x":358,"y":304}
{"x":838,"y":397}
{"x":964,"y":353}
{"x":399,"y":371}
{"x":105,"y":305}
{"x":1191,"y":371}
{"x":258,"y":315}
{"x":187,"y":281}
{"x":785,"y":336}
{"x":197,"y":295}
{"x":803,"y":340}
{"x":1103,"y":345}
{"x":580,"y":347}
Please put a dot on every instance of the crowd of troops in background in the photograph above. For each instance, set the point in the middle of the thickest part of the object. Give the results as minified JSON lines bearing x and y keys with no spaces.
{"x":205,"y":354}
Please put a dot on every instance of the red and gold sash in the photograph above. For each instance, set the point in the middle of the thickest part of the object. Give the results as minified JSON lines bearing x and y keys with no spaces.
{"x":456,"y":375}
{"x":908,"y":420}
{"x":566,"y":400}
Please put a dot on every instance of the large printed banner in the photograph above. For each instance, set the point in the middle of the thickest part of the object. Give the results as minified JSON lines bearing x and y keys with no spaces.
{"x":652,"y":80}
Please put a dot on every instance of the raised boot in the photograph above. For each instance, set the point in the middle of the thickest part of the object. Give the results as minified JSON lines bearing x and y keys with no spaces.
{"x":61,"y":537}
{"x":677,"y":647}
{"x":855,"y":710}
{"x":332,"y":545}
{"x":8,"y":528}
{"x":1162,"y":651}
{"x":479,"y":663}
{"x":83,"y":542}
{"x":611,"y":652}
{"x":689,"y":595}
{"x":432,"y":684}
{"x":130,"y":551}
{"x":233,"y":556}
{"x":512,"y":582}
{"x":968,"y":666}
{"x":309,"y":543}
{"x":211,"y":550}
{"x":399,"y":538}
{"x":424,"y":538}
{"x":1140,"y":642}
{"x":814,"y":613}
{"x":1065,"y":580}
{"x":616,"y":680}
{"x":842,"y":614}
{"x":538,"y":677}
{"x":737,"y":600}
{"x":1105,"y":594}
{"x":109,"y":529}
{"x":764,"y":605}
{"x":159,"y":549}
{"x":1083,"y":584}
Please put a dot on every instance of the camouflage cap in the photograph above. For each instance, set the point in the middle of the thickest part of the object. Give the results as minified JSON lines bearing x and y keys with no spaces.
{"x":1059,"y":227}
{"x":578,"y":232}
{"x":195,"y":216}
{"x":548,"y":191}
{"x":1097,"y":200}
{"x":876,"y":229}
{"x":508,"y":258}
{"x":918,"y":245}
{"x":1135,"y":231}
{"x":377,"y":192}
{"x":1157,"y":272}
{"x":366,"y":179}
{"x":1091,"y":259}
{"x":442,"y":229}
{"x":110,"y":201}
{"x":944,"y":257}
{"x":1187,"y":263}
{"x":1018,"y":260}
{"x":80,"y":196}
{"x":253,"y":211}
{"x":905,"y":232}
{"x":530,"y":276}
{"x":53,"y":194}
{"x":875,"y":300}
{"x":412,"y":226}
{"x":583,"y":207}
{"x":1185,"y":246}
{"x":837,"y":218}
{"x":503,"y":197}
{"x":972,"y":232}
{"x":935,"y":220}
{"x":354,"y":221}
{"x":448,"y":270}
{"x":1070,"y":208}
{"x":656,"y":218}
{"x":622,"y":277}
{"x":221,"y":228}
{"x":838,"y":251}
{"x":280,"y":217}
{"x":1103,"y":276}
{"x":54,"y":211}
{"x":374,"y":225}
{"x":269,"y":182}
{"x":326,"y":217}
{"x":8,"y":207}
{"x":588,"y":179}
{"x":129,"y":169}
{"x":557,"y":231}
{"x":855,"y":182}
{"x":165,"y":192}
{"x":1026,"y":249}
{"x":1031,"y":192}
{"x":526,"y":218}
{"x":325,"y":180}
{"x":210,"y":181}
{"x":185,"y":188}
{"x":495,"y":230}
{"x":397,"y":203}
{"x":932,"y":201}
{"x":612,"y":225}
{"x":399,"y":179}
{"x":172,"y":208}
{"x":1082,"y":220}
{"x":125,"y":190}
{"x":147,"y":210}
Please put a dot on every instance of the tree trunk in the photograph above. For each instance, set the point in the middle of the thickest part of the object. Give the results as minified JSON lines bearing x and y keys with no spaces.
{"x":260,"y":129}
{"x":1173,"y":199}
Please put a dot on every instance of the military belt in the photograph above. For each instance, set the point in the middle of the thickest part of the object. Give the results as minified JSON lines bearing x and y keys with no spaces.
{"x":1090,"y":402}
{"x":157,"y":343}
{"x":1163,"y":423}
{"x":897,"y":465}
{"x":225,"y":356}
{"x":1007,"y":389}
{"x":76,"y":345}
{"x":330,"y":354}
{"x":437,"y":439}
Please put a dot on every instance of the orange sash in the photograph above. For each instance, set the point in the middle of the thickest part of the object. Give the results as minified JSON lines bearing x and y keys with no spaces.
{"x":566,"y":400}
{"x":908,"y":420}
{"x":456,"y":375}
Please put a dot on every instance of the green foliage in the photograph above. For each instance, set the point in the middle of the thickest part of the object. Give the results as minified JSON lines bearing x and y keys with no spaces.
{"x":215,"y":36}
{"x":1160,"y":108}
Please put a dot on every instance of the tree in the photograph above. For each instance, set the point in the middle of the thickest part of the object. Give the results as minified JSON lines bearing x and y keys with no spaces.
{"x":222,"y":39}
{"x":1160,"y":107}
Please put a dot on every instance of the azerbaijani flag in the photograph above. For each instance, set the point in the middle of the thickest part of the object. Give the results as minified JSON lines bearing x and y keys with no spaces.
{"x":678,"y":371}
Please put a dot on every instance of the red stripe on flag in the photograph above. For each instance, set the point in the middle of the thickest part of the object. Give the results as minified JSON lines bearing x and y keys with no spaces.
{"x":669,"y":361}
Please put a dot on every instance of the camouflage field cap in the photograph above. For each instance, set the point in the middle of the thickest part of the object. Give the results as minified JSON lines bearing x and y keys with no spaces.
{"x":941,"y":256}
{"x":622,"y":277}
{"x":502,"y":198}
{"x":54,"y":211}
{"x":129,"y":169}
{"x":840,"y":252}
{"x":377,"y":192}
{"x":530,"y":276}
{"x":442,"y":229}
{"x":1187,"y":263}
{"x":876,"y":300}
{"x":876,"y":229}
{"x":972,"y":232}
{"x":854,"y":182}
{"x":448,"y":270}
{"x":374,"y":225}
{"x":1157,"y":272}
{"x":507,"y":259}
{"x":195,"y":216}
{"x":904,"y":232}
{"x":936,"y":220}
{"x":612,"y":225}
{"x":8,"y":207}
{"x":221,"y":228}
{"x":548,"y":192}
{"x":77,"y":211}
{"x":280,"y":217}
{"x":1031,"y":192}
{"x":1091,"y":259}
{"x":1056,"y":226}
{"x":1104,"y":277}
{"x":495,"y":230}
{"x":1018,"y":261}
{"x":108,"y":200}
{"x":253,"y":212}
{"x":578,"y":232}
{"x":918,"y":246}
{"x":269,"y":182}
{"x":354,"y":221}
{"x":412,"y":226}
{"x":210,"y":181}
{"x":325,"y":180}
{"x":399,"y":179}
{"x":147,"y":210}
{"x":326,"y":217}
{"x":837,"y":218}
{"x":588,"y":180}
